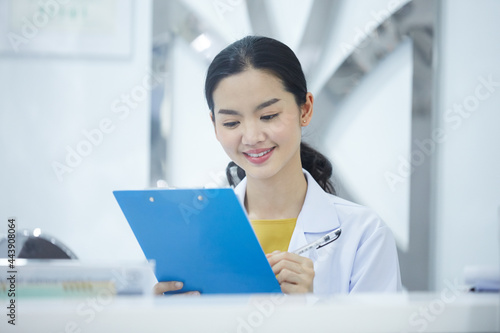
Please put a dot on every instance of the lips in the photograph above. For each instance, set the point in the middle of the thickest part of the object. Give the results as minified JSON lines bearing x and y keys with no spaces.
{"x":258,"y":156}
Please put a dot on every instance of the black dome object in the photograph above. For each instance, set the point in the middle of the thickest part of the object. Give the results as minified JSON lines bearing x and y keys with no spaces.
{"x":31,"y":245}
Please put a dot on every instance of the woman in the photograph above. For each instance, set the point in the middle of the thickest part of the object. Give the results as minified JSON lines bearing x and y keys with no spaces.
{"x":257,"y":95}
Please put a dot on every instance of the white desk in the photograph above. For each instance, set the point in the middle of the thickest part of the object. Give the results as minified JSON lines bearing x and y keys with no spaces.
{"x":439,"y":312}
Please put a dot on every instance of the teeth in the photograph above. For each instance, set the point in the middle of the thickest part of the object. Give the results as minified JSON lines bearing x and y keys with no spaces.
{"x":261,"y":154}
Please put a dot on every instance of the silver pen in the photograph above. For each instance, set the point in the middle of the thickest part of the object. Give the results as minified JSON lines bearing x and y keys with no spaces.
{"x":320,"y":242}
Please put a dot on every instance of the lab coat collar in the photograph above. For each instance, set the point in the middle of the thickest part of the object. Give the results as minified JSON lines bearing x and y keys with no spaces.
{"x":318,"y":214}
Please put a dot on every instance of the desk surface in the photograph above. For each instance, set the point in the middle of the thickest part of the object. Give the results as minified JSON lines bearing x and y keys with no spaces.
{"x":423,"y":312}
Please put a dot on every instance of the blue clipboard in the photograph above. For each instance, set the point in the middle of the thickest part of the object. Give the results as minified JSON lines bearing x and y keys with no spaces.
{"x":201,"y":237}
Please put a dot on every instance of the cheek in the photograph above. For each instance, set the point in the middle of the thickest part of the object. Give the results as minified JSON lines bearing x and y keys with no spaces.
{"x":286,"y":131}
{"x":228,"y":140}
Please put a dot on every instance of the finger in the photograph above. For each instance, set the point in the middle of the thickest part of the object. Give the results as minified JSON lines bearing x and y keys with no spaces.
{"x":275,"y":257}
{"x":300,"y":263}
{"x":287,"y":276}
{"x":285,"y":264}
{"x":304,"y":277}
{"x":292,"y":288}
{"x":287,"y":256}
{"x":162,"y":287}
{"x":268,"y":255}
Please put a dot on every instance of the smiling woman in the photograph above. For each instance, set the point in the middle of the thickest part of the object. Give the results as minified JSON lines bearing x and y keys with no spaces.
{"x":276,"y":63}
{"x":259,"y":103}
{"x":262,"y":133}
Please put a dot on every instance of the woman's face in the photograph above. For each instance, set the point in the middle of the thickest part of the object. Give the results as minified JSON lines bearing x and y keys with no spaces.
{"x":258,"y":123}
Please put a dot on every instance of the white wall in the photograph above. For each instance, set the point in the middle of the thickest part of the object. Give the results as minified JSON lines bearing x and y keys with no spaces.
{"x":467,"y":175}
{"x":369,"y":134}
{"x":45,"y":104}
{"x":194,"y":156}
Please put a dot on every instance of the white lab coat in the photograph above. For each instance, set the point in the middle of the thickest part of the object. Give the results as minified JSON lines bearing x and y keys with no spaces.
{"x":363,"y":259}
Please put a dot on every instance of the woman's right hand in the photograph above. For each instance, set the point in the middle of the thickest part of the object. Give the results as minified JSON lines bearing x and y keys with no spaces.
{"x":162,"y":287}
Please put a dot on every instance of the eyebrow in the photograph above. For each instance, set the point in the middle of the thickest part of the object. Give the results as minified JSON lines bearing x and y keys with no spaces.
{"x":259,"y":107}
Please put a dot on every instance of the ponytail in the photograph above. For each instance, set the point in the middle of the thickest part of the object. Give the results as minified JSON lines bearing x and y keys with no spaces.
{"x":312,"y":160}
{"x":318,"y":166}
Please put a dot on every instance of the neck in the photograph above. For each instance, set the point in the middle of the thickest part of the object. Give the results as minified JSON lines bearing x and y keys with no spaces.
{"x":278,"y":197}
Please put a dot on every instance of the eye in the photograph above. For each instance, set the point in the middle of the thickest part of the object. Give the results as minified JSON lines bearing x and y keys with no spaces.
{"x":231,"y":124}
{"x":269,"y":117}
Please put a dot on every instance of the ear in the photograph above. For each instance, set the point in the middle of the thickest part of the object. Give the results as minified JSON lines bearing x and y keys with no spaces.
{"x":306,"y":110}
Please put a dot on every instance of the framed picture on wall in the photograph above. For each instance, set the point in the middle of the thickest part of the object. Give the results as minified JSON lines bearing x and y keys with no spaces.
{"x":73,"y":28}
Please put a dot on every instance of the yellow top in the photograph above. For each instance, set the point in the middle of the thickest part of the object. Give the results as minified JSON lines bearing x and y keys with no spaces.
{"x":274,"y":234}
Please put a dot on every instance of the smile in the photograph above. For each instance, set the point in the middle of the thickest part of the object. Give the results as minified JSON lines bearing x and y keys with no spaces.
{"x":258,"y":156}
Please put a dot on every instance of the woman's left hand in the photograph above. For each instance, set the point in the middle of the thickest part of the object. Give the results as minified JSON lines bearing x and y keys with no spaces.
{"x":294,"y":273}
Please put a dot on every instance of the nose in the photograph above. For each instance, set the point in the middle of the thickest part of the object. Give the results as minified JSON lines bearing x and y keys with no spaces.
{"x":252,"y":134}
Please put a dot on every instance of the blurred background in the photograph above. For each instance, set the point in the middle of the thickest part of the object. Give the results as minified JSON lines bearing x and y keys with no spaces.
{"x":97,"y":96}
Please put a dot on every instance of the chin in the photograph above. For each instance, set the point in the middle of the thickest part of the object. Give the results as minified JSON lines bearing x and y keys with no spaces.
{"x":262,"y":172}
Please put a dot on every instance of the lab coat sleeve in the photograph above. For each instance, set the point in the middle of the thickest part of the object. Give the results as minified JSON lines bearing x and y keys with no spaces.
{"x":376,"y":265}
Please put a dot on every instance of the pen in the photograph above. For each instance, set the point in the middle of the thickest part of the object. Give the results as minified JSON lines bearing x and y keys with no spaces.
{"x":319,"y":243}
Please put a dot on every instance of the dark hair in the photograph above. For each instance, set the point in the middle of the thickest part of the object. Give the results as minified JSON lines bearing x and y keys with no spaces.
{"x":276,"y":58}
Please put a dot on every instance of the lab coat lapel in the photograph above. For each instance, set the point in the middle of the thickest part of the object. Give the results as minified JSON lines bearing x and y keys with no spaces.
{"x":318,"y":216}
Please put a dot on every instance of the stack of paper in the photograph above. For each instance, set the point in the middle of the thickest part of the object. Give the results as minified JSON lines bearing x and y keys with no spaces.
{"x":74,"y":278}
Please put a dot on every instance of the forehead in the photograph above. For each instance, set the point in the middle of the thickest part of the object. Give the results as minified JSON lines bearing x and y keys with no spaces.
{"x":249,"y":85}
